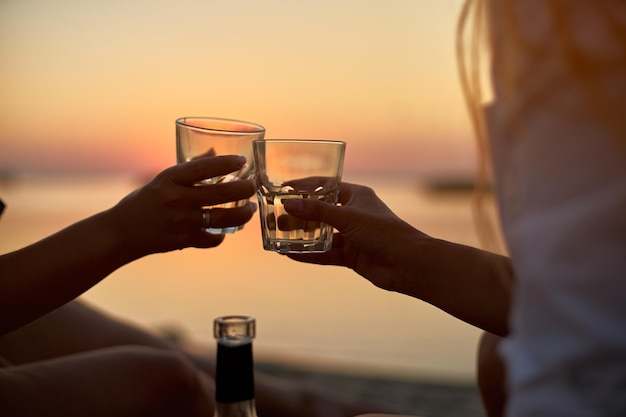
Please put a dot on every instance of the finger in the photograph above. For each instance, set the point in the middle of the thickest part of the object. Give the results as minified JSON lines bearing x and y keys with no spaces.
{"x":346,"y":192}
{"x":188,"y":173}
{"x":210,"y":195}
{"x":288,"y":223}
{"x":308,"y":209}
{"x":229,"y":217}
{"x":208,"y":240}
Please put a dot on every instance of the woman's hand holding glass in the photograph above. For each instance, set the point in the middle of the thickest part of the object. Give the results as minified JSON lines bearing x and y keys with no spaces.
{"x":370,"y":236}
{"x":393,"y":255}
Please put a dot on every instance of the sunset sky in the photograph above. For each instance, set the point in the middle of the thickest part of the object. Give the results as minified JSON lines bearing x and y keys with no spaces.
{"x":98,"y":84}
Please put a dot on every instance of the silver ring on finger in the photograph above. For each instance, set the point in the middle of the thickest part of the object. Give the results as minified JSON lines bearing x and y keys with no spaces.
{"x":206,"y":218}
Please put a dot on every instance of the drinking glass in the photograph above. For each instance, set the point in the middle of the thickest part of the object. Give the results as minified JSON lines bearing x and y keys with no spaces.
{"x":207,"y":136}
{"x":291,"y":169}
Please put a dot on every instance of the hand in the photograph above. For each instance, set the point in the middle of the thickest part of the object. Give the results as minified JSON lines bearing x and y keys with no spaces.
{"x":468,"y":283}
{"x":167,"y":213}
{"x":371,"y":239}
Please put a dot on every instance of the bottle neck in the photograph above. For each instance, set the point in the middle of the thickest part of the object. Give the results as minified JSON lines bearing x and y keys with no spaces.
{"x":234,"y":376}
{"x":238,"y":409}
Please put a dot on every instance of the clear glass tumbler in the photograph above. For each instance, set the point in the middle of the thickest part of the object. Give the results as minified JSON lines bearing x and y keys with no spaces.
{"x":207,"y":136}
{"x":296,"y":169}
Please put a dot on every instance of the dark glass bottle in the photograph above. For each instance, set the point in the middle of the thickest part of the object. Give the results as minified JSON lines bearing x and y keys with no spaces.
{"x":234,"y":375}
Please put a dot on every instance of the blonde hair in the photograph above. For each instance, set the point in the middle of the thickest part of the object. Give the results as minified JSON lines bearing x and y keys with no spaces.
{"x":587,"y":69}
{"x":470,"y":52}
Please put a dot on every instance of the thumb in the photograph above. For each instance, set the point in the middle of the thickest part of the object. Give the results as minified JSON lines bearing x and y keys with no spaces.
{"x":322,"y":211}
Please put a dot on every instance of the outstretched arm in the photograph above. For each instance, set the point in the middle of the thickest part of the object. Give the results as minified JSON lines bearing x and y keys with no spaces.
{"x":163,"y":215}
{"x":470,"y":284}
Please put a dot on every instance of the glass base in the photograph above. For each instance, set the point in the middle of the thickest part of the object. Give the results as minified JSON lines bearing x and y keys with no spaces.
{"x":223,"y":230}
{"x":297,"y":246}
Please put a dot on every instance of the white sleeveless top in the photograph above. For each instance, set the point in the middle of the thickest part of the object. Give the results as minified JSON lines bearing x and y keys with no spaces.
{"x":561,"y":184}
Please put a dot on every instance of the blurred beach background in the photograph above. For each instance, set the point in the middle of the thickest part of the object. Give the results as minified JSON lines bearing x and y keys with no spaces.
{"x":89,"y":92}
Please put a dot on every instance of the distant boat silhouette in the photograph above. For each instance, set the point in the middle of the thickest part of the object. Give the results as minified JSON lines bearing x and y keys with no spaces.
{"x":6,"y":177}
{"x":452,"y":185}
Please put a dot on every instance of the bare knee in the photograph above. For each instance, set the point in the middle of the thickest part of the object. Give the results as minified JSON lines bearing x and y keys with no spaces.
{"x":174,"y":385}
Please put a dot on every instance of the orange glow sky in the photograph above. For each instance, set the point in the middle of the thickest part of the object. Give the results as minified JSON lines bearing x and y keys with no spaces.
{"x":98,"y":84}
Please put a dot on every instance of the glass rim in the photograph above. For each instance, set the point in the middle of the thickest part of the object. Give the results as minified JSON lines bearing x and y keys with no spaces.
{"x":187,"y":122}
{"x":234,"y":327}
{"x":324,"y":141}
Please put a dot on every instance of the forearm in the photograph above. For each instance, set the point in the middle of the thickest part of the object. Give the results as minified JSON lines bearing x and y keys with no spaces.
{"x":55,"y":270}
{"x":470,"y":284}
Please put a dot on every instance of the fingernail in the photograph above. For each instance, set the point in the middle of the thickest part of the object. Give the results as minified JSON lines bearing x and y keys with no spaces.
{"x":253,"y":205}
{"x":241,"y":160}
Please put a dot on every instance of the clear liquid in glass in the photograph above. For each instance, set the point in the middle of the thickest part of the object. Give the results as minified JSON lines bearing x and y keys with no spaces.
{"x":284,"y":233}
